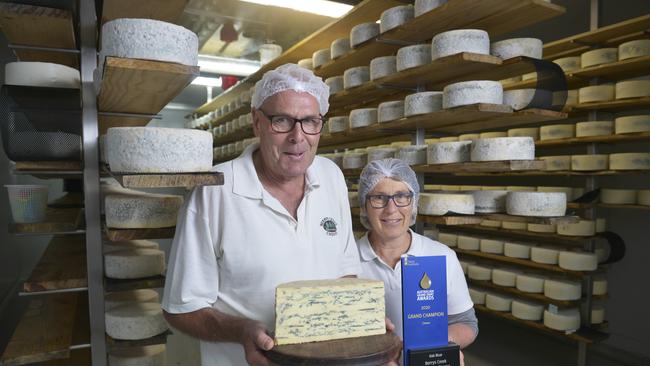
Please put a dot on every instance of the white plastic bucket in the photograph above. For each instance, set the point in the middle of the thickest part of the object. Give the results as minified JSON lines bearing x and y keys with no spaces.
{"x":268,"y":52}
{"x":28,"y":202}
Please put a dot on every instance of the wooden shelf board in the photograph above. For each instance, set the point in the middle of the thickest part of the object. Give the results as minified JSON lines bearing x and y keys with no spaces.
{"x":523,"y":235}
{"x":113,"y":285}
{"x":62,"y":266}
{"x":244,"y":109}
{"x":166,"y":180}
{"x":78,"y":357}
{"x":136,"y":234}
{"x":57,"y":220}
{"x":353,"y":135}
{"x":608,"y":139}
{"x":361,"y":55}
{"x":45,"y":167}
{"x":234,"y":136}
{"x":521,"y":294}
{"x":517,"y":118}
{"x":105,"y":122}
{"x":583,"y":206}
{"x":602,"y":173}
{"x":370,"y":92}
{"x":141,"y":86}
{"x":613,"y":105}
{"x":331,"y":143}
{"x":112,"y":343}
{"x":482,"y":167}
{"x":226,"y":97}
{"x":167,"y":11}
{"x":439,"y":220}
{"x":532,"y":220}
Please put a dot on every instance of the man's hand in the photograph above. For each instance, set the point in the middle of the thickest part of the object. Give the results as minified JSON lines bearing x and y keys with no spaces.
{"x":255,"y":340}
{"x":462,"y":359}
{"x":390,"y":327}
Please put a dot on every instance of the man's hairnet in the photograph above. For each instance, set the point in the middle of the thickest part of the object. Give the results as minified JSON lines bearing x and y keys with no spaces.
{"x":377,"y":170}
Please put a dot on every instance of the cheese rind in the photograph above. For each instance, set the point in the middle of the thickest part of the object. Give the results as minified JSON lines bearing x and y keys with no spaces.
{"x":490,"y":135}
{"x":41,"y":74}
{"x":596,"y":93}
{"x":618,"y":196}
{"x":468,"y":242}
{"x":129,"y":209}
{"x":578,"y":261}
{"x":632,"y":89}
{"x":504,"y":277}
{"x":335,"y":83}
{"x":477,"y":295}
{"x":594,"y":128}
{"x":338,"y":124}
{"x":363,"y":117}
{"x":598,"y":57}
{"x":321,"y":57}
{"x":513,"y":225}
{"x":541,"y":228}
{"x":477,"y":272}
{"x":449,"y":152}
{"x":389,"y":111}
{"x":339,"y":47}
{"x":532,"y":132}
{"x":307,"y":63}
{"x":516,"y":250}
{"x":491,"y":246}
{"x":629,"y":161}
{"x":562,"y":290}
{"x":498,"y":302}
{"x":490,"y":201}
{"x":356,"y":76}
{"x":643,"y":197}
{"x":448,"y":239}
{"x":539,"y":204}
{"x":413,"y":155}
{"x":530,"y":283}
{"x":135,"y":321}
{"x":552,"y":132}
{"x":527,"y":310}
{"x":509,"y":48}
{"x":472,"y":92}
{"x":153,"y":355}
{"x":632,"y":124}
{"x":134,"y":263}
{"x":382,"y":66}
{"x":580,"y":228}
{"x":413,"y":56}
{"x":568,"y":63}
{"x":363,"y":32}
{"x":461,"y":40}
{"x":559,"y":162}
{"x":631,"y":49}
{"x":394,"y":17}
{"x":438,"y":204}
{"x":424,"y":6}
{"x":589,"y":162}
{"x":422,"y":103}
{"x":381,"y":153}
{"x":354,"y":160}
{"x":502,"y":148}
{"x":544,"y":255}
{"x":563,"y":320}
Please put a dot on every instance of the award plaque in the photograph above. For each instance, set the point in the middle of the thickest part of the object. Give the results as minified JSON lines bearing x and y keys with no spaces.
{"x":424,"y":313}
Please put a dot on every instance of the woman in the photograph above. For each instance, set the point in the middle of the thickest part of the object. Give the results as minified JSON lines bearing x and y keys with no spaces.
{"x":388,"y":197}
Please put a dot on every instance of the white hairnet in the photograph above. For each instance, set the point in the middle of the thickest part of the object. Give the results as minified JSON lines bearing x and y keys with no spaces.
{"x":377,"y":170}
{"x":291,"y":77}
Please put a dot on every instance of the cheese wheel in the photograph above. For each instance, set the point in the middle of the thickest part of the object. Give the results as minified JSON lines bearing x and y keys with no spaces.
{"x":382,"y":66}
{"x":422,"y":103}
{"x":448,"y":139}
{"x":594,"y":128}
{"x":321,"y":57}
{"x":337,"y":158}
{"x":461,"y":40}
{"x":413,"y":155}
{"x":490,"y":201}
{"x":504,"y":277}
{"x":356,"y":76}
{"x":338,"y":124}
{"x":580,"y":228}
{"x":509,"y":48}
{"x":632,"y":124}
{"x":596,"y":93}
{"x":498,"y":302}
{"x":490,"y":223}
{"x":134,"y":263}
{"x":568,"y":63}
{"x":618,"y":196}
{"x":354,"y":160}
{"x":413,"y":56}
{"x":598,"y":56}
{"x":643,"y":197}
{"x":513,"y":225}
{"x":563,"y":320}
{"x":381,"y":153}
{"x":599,"y":286}
{"x":527,"y":310}
{"x":568,"y":191}
{"x":601,"y":226}
{"x":339,"y":47}
{"x":490,"y":135}
{"x":472,"y":92}
{"x":135,"y":321}
{"x":363,"y":32}
{"x":335,"y":83}
{"x":502,"y":148}
{"x":597,"y":314}
{"x":516,"y":250}
{"x":530,"y":283}
{"x":129,"y":209}
{"x":152,"y":355}
{"x":437,"y":204}
{"x":544,"y":255}
{"x":389,"y":111}
{"x":537,"y":204}
{"x":464,"y":265}
{"x":477,"y":296}
{"x":363,"y":117}
{"x":552,"y":132}
{"x":541,"y":228}
{"x":468,"y":242}
{"x":520,"y":99}
{"x":425,"y":6}
{"x":307,"y":63}
{"x":448,"y":239}
{"x":632,"y":89}
{"x":562,"y":290}
{"x":469,"y":136}
{"x":532,"y":132}
{"x":41,"y":74}
{"x":477,"y":272}
{"x":394,"y":17}
{"x":632,"y":49}
{"x":448,"y":152}
{"x":589,"y":162}
{"x":491,"y":246}
{"x":113,"y":299}
{"x":629,"y":161}
{"x":578,"y":261}
{"x":554,"y":163}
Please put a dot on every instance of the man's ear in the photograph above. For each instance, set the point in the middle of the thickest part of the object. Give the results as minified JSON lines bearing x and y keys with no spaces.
{"x":256,"y":122}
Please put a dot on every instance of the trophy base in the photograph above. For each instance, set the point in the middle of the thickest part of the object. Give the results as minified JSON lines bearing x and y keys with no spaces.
{"x":440,"y":356}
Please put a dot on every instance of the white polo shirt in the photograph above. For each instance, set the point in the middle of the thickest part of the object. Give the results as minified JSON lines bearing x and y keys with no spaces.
{"x":373,"y":267}
{"x":235,"y":243}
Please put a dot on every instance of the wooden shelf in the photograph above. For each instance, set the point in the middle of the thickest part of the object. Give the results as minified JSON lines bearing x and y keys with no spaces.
{"x":113,"y":285}
{"x":244,"y":109}
{"x":166,"y":180}
{"x":521,"y":294}
{"x":48,"y":168}
{"x":370,"y":93}
{"x":450,"y":220}
{"x":137,"y":234}
{"x":327,"y":146}
{"x":614,"y":105}
{"x":234,"y":136}
{"x":57,"y":220}
{"x":606,"y":205}
{"x":600,"y":173}
{"x":361,"y":55}
{"x":532,"y":220}
{"x":482,"y":167}
{"x":62,"y":266}
{"x":112,"y":343}
{"x":523,"y":235}
{"x":68,"y":200}
{"x":167,"y":11}
{"x":607,"y":139}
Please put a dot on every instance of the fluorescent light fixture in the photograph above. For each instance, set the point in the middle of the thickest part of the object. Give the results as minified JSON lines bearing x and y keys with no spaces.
{"x":321,"y":7}
{"x":227,"y":66}
{"x":205,"y":81}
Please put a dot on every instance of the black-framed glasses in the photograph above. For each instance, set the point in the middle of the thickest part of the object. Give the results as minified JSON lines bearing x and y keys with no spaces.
{"x":400,"y":199}
{"x":285,"y":124}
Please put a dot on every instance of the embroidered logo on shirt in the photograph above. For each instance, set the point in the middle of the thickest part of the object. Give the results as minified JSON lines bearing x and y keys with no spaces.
{"x":329,"y":225}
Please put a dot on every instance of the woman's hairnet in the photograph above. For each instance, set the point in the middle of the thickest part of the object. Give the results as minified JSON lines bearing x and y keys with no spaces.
{"x":377,"y":170}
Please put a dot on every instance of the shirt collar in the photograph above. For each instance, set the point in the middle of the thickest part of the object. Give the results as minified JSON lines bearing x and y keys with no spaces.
{"x":368,"y":254}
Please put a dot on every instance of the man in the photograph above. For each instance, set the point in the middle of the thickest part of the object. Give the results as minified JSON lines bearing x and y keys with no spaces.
{"x":282,"y":215}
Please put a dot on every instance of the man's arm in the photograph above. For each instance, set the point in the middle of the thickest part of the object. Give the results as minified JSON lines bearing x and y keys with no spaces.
{"x":463,"y":328}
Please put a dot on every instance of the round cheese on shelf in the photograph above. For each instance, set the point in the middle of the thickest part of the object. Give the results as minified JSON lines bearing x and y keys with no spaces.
{"x":438,"y":204}
{"x":448,"y":152}
{"x":41,"y":74}
{"x":461,"y":40}
{"x":113,"y":299}
{"x":468,"y":242}
{"x":544,"y":255}
{"x":153,"y":355}
{"x":516,"y":250}
{"x":643,"y":197}
{"x":477,"y":272}
{"x":578,"y":261}
{"x":353,"y":198}
{"x":532,"y":132}
{"x":568,"y":63}
{"x":158,"y":150}
{"x":307,"y":63}
{"x":335,"y":83}
{"x":321,"y":57}
{"x":363,"y":32}
{"x":130,"y":244}
{"x":632,"y":89}
{"x":629,"y":161}
{"x":632,"y":49}
{"x":356,"y":76}
{"x":134,"y":263}
{"x":536,"y":204}
{"x":541,"y":228}
{"x":135,"y":321}
{"x":381,"y":153}
{"x":490,"y":135}
{"x":527,"y":310}
{"x":598,"y":56}
{"x":520,"y":98}
{"x":394,"y":17}
{"x":389,"y":111}
{"x":490,"y":223}
{"x":563,"y":320}
{"x":425,"y":6}
{"x":502,"y":148}
{"x":354,"y":160}
{"x":490,"y":201}
{"x":618,"y":196}
{"x":413,"y":56}
{"x":513,"y":225}
{"x":472,"y":92}
{"x":339,"y":47}
{"x":363,"y":117}
{"x":589,"y":162}
{"x":422,"y":103}
{"x":632,"y":124}
{"x":580,"y":228}
{"x":469,"y":136}
{"x":477,"y":295}
{"x":338,"y":124}
{"x":509,"y":48}
{"x":559,"y":162}
{"x":448,"y":239}
{"x":413,"y":155}
{"x":464,"y":265}
{"x":383,"y":66}
{"x":594,"y":128}
{"x":504,"y":277}
{"x":597,"y":314}
{"x":562,"y":290}
{"x":498,"y":302}
{"x":530,"y":283}
{"x":568,"y":191}
{"x":599,"y":286}
{"x":552,"y":132}
{"x":491,"y":246}
{"x":596,"y":93}
{"x":129,"y":209}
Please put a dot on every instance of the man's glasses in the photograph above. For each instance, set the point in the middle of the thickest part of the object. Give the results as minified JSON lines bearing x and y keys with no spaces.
{"x":381,"y":200}
{"x":285,"y":124}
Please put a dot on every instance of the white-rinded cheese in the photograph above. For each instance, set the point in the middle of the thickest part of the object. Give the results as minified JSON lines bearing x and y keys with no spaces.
{"x":498,"y":302}
{"x":41,"y":74}
{"x":504,"y":277}
{"x":363,"y":32}
{"x":477,"y":295}
{"x":509,"y":48}
{"x":502,"y":148}
{"x":153,"y":355}
{"x":129,"y":209}
{"x":516,"y":250}
{"x":307,"y":63}
{"x":490,"y":201}
{"x":538,"y":204}
{"x":552,"y":132}
{"x":618,"y":196}
{"x":527,"y":310}
{"x":394,"y":17}
{"x":356,"y":76}
{"x":130,"y":244}
{"x":568,"y":63}
{"x":421,"y":103}
{"x":321,"y":57}
{"x":363,"y":117}
{"x":424,"y":6}
{"x":594,"y":128}
{"x":580,"y":228}
{"x":544,"y":255}
{"x":477,"y":272}
{"x":472,"y":92}
{"x":354,"y":160}
{"x":631,"y":49}
{"x":490,"y":223}
{"x":599,"y":286}
{"x":513,"y":225}
{"x":643,"y":197}
{"x":589,"y":162}
{"x":532,"y":132}
{"x":461,"y":40}
{"x":438,"y":204}
{"x":596,"y":93}
{"x":562,"y":290}
{"x":135,"y":321}
{"x":491,"y":246}
{"x":382,"y":66}
{"x":563,"y":320}
{"x":448,"y":139}
{"x":602,"y":250}
{"x":134,"y":263}
{"x":413,"y":155}
{"x":413,"y":56}
{"x":353,"y":198}
{"x":320,"y":310}
{"x":448,"y":239}
{"x":469,"y":136}
{"x":464,"y":265}
{"x":389,"y":111}
{"x":632,"y":89}
{"x":578,"y":261}
{"x":568,"y":191}
{"x":338,"y":124}
{"x":631,"y":124}
{"x":597,"y":314}
{"x":541,"y":228}
{"x":339,"y":47}
{"x":489,"y":135}
{"x":468,"y":242}
{"x":113,"y":299}
{"x":530,"y":283}
{"x":448,"y":152}
{"x":335,"y":83}
{"x":559,"y":162}
{"x":381,"y":153}
{"x":154,"y":149}
{"x":629,"y":161}
{"x":598,"y":57}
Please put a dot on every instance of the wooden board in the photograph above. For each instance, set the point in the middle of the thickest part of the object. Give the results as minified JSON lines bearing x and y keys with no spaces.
{"x":532,"y":220}
{"x":30,"y":343}
{"x":142,"y":86}
{"x":112,"y":343}
{"x":62,"y":266}
{"x":361,"y":351}
{"x":112,"y":284}
{"x":57,"y":220}
{"x":606,"y":139}
{"x":105,"y":122}
{"x":78,"y":357}
{"x":167,"y":11}
{"x":166,"y":180}
{"x":487,"y":166}
{"x":27,"y":25}
{"x":451,"y":220}
{"x":370,"y":92}
{"x":136,"y":234}
{"x":606,"y":205}
{"x":361,"y":55}
{"x":521,"y":294}
{"x":515,"y":119}
{"x":523,"y":235}
{"x":614,"y":105}
{"x":45,"y":166}
{"x":244,"y":109}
